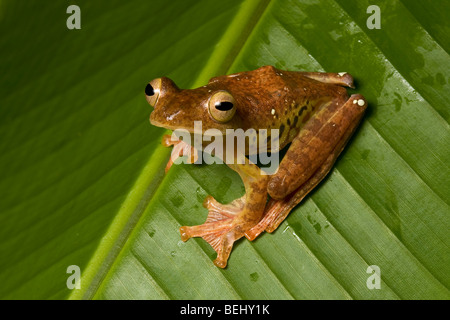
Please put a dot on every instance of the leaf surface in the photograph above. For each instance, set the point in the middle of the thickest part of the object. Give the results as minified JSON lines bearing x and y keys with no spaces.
{"x":82,"y":170}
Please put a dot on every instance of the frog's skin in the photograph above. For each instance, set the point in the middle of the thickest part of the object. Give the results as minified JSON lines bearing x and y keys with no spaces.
{"x":313,"y":112}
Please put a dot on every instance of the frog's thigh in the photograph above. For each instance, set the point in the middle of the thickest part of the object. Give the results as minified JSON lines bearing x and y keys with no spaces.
{"x":315,"y":142}
{"x":341,"y":78}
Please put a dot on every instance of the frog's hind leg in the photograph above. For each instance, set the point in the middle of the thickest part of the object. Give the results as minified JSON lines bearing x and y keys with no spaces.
{"x":341,"y":79}
{"x":277,"y":210}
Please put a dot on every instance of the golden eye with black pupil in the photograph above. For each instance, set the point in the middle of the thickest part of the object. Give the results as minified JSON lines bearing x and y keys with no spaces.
{"x":222,"y":106}
{"x":152,"y":91}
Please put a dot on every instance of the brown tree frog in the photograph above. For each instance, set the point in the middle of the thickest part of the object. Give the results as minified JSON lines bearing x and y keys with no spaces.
{"x":314,"y":115}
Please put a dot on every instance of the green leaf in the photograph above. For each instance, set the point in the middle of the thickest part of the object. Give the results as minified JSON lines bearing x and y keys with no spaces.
{"x":82,"y":170}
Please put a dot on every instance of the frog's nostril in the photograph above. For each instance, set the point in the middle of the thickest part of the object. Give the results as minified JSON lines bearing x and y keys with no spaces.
{"x":149,"y":90}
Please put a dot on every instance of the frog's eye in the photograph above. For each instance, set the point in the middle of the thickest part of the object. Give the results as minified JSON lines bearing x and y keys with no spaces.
{"x":152,"y":91}
{"x":222,"y":106}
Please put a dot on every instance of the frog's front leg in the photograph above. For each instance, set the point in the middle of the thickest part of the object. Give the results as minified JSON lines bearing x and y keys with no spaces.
{"x":309,"y":159}
{"x":227,"y":223}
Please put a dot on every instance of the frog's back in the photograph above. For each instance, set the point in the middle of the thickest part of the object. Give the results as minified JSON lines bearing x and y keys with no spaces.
{"x":268,"y":98}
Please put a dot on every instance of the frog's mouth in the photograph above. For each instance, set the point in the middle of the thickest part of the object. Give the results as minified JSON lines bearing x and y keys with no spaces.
{"x":196,"y":129}
{"x":176,"y":122}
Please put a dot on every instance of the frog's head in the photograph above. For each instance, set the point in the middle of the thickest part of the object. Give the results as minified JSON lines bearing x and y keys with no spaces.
{"x":176,"y":108}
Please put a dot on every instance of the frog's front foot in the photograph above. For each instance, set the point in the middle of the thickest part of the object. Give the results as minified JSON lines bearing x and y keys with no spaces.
{"x":180,"y":148}
{"x":225,"y":224}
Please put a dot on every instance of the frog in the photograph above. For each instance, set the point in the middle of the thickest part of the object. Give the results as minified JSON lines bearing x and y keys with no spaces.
{"x":315,"y":118}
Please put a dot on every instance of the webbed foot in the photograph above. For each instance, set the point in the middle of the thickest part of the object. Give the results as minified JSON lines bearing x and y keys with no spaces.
{"x":222,"y":228}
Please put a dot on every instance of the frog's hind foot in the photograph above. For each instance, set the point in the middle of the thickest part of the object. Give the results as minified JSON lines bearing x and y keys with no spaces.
{"x":180,"y":149}
{"x":219,"y":230}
